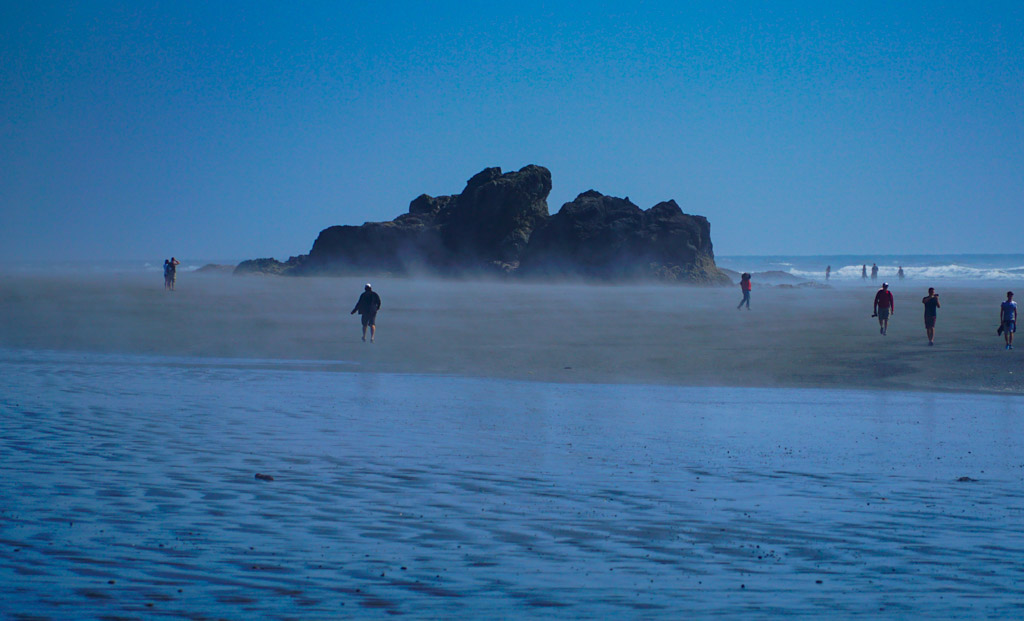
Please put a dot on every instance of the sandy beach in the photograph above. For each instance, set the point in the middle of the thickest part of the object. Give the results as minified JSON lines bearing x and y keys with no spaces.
{"x":130,"y":492}
{"x":502,"y":451}
{"x":546,"y":332}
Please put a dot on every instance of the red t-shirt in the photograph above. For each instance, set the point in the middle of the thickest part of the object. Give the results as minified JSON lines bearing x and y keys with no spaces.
{"x":884,"y":298}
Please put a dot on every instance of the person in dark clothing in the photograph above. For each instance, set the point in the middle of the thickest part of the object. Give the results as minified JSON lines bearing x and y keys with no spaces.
{"x":1008,"y":319}
{"x":171,"y":273}
{"x":367,"y":307}
{"x":931,"y":311}
{"x":745,"y":287}
{"x":874,"y":271}
{"x":884,"y":306}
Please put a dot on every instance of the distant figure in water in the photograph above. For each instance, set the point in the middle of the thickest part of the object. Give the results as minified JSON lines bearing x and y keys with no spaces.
{"x":1008,"y":319}
{"x":884,"y":306}
{"x":828,"y":271}
{"x":864,"y":271}
{"x":745,"y":288}
{"x":931,"y":311}
{"x":874,"y":271}
{"x":170,"y":273}
{"x":899,"y":273}
{"x":367,"y":306}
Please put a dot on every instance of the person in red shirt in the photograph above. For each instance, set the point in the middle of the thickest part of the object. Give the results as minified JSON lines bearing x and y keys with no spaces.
{"x":884,"y":307}
{"x":745,"y":287}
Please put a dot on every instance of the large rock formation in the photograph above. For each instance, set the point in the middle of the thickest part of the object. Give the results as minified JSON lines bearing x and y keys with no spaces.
{"x":598,"y":236}
{"x":500,"y":224}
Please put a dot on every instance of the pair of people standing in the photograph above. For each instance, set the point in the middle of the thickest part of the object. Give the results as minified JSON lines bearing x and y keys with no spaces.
{"x":885,"y":306}
{"x":170,"y":273}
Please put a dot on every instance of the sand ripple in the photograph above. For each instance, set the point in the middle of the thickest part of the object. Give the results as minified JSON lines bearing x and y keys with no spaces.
{"x":128,"y":491}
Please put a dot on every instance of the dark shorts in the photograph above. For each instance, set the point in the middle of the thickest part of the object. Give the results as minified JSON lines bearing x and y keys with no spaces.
{"x":883,"y":313}
{"x":1010,"y":326}
{"x":929,"y":321}
{"x":369,"y":319}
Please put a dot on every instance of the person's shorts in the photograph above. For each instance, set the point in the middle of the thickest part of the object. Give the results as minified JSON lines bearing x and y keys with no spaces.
{"x":369,"y":319}
{"x":1010,"y":326}
{"x":929,"y":321}
{"x":883,"y":313}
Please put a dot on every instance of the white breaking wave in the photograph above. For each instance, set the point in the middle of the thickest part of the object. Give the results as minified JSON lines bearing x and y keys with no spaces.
{"x":931,"y":272}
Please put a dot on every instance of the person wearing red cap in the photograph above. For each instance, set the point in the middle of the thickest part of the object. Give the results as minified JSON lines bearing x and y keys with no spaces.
{"x":884,"y":307}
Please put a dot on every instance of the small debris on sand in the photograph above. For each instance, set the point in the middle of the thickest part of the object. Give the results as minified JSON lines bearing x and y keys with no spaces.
{"x":967,"y":480}
{"x":264,"y":477}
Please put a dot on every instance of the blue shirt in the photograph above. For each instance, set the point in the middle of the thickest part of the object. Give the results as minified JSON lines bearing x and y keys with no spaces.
{"x":1009,"y":310}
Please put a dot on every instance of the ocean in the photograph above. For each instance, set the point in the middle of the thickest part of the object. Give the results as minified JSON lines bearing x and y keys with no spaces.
{"x":947,"y":269}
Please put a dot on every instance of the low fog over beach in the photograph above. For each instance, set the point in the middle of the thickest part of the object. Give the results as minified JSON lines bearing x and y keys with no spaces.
{"x":570,"y":332}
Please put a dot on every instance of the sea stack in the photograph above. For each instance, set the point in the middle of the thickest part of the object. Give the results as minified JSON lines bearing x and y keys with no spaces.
{"x":499,"y":224}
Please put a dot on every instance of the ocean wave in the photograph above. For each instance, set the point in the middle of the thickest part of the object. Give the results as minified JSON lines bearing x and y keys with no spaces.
{"x":951,"y":271}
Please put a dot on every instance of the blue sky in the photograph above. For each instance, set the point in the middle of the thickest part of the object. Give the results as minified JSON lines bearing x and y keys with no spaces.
{"x":238,"y":130}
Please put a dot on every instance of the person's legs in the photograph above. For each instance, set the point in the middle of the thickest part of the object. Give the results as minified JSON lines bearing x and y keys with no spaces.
{"x":373,"y":331}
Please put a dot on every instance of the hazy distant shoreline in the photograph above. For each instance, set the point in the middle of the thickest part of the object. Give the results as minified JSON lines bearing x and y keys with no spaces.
{"x":647,"y":334}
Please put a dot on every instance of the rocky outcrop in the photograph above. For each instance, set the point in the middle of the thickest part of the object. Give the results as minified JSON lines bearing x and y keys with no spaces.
{"x":598,"y":236}
{"x":485,"y":228}
{"x":500,"y":224}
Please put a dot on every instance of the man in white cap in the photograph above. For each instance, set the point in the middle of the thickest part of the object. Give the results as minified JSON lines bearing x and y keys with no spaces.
{"x":367,"y":307}
{"x":884,"y":306}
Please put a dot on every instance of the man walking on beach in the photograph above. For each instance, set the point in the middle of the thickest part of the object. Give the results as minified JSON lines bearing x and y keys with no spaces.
{"x":864,"y":271}
{"x":367,"y":306}
{"x":874,"y":271}
{"x":828,"y":271}
{"x":1008,"y":319}
{"x":745,"y":288}
{"x":931,"y":311}
{"x":884,"y":306}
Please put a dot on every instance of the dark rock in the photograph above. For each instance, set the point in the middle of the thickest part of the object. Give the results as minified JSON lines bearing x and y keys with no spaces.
{"x":499,"y":224}
{"x":214,"y":268}
{"x":264,"y":477}
{"x":597,"y":236}
{"x":269,"y":266}
{"x":483,"y":229}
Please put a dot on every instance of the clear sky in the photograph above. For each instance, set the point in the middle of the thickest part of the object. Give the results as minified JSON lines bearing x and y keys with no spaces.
{"x":139,"y":130}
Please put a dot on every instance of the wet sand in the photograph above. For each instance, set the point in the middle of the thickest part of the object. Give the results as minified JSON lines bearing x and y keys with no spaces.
{"x":545,"y":332}
{"x":129,"y":491}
